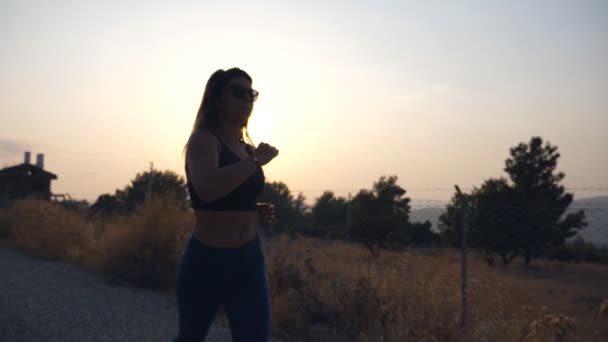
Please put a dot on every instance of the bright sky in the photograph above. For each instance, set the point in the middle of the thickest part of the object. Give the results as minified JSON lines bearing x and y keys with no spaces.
{"x":433,"y":92}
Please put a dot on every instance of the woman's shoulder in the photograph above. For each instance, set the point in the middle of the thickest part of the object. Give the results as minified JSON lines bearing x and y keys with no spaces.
{"x":203,"y":136}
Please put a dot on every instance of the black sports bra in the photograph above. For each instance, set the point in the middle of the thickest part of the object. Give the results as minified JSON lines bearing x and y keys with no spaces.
{"x":242,"y":198}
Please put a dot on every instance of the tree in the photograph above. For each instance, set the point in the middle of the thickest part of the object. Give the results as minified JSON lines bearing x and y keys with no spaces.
{"x":385,"y":211}
{"x":490,"y":219}
{"x":451,"y":222}
{"x":494,"y":219}
{"x":165,"y":183}
{"x":363,"y":205}
{"x":417,"y":234}
{"x":329,"y":212}
{"x":390,"y":198}
{"x":543,"y":201}
{"x":108,"y":205}
{"x":290,"y":212}
{"x":525,"y":216}
{"x":375,"y":231}
{"x":386,"y":198}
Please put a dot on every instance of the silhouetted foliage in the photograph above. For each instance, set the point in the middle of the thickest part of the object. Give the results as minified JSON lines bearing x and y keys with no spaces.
{"x":492,"y":219}
{"x":526,"y":216}
{"x":108,"y":205}
{"x":375,"y":231}
{"x":125,"y":201}
{"x":329,"y":214}
{"x":417,"y":234}
{"x":578,"y":250}
{"x":543,"y":201}
{"x":386,"y":198}
{"x":381,"y":215}
{"x":290,"y":212}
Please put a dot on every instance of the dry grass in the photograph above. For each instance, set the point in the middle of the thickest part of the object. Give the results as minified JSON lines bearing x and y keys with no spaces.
{"x":47,"y":230}
{"x":336,"y":291}
{"x":143,"y":248}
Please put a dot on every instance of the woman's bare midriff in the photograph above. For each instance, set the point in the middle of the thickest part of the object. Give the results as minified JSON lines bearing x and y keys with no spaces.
{"x":226,"y":228}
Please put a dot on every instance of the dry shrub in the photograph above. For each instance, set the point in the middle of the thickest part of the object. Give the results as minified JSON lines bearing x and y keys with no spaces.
{"x":551,"y":328}
{"x":601,"y":321}
{"x":336,"y":291}
{"x":542,"y":303}
{"x":603,"y":312}
{"x":47,"y":230}
{"x":144,"y":248}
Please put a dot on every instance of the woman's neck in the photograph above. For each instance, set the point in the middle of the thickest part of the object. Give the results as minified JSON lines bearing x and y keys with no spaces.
{"x":231,"y":134}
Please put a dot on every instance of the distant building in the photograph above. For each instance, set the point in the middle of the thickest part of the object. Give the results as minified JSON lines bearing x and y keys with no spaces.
{"x":26,"y":180}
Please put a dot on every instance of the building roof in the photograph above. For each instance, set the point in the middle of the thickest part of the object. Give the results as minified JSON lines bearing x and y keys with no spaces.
{"x":29,"y":169}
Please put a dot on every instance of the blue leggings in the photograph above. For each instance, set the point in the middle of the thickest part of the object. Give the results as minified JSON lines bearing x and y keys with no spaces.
{"x":208,"y":276}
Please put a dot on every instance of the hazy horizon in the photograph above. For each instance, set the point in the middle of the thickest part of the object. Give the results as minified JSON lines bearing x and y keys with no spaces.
{"x":434,"y":94}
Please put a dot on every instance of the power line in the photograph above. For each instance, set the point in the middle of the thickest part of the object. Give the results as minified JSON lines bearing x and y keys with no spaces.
{"x":432,"y":189}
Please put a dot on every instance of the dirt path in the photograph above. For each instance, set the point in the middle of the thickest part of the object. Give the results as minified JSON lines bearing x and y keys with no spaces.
{"x":43,"y":300}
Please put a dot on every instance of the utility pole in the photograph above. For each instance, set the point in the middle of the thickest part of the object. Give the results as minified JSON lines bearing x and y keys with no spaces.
{"x":149,"y":193}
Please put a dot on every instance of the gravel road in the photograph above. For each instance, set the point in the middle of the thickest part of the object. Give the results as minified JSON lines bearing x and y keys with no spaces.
{"x":44,"y":300}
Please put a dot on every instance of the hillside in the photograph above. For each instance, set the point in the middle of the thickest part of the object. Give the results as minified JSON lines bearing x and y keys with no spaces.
{"x":596,"y":209}
{"x":596,"y":212}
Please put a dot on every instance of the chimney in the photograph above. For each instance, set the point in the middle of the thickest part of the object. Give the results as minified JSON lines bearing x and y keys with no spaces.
{"x":27,"y":157}
{"x":40,"y":160}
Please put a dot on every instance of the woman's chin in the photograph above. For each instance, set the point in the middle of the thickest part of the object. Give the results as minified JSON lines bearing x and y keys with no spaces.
{"x":244,"y":121}
{"x":245,"y":116}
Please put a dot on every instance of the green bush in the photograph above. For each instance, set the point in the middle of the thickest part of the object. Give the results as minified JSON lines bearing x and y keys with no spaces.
{"x":375,"y":231}
{"x":579,"y":250}
{"x":416,"y":234}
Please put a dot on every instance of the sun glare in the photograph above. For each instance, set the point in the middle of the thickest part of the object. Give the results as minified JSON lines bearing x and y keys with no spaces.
{"x":260,"y":124}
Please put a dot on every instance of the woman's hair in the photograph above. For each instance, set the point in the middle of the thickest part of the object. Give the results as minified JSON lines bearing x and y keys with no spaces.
{"x":208,"y":115}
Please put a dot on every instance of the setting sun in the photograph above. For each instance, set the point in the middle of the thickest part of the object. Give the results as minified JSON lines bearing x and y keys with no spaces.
{"x":260,"y":123}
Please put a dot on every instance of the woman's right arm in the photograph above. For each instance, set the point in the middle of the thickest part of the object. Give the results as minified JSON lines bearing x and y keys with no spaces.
{"x":209,"y":180}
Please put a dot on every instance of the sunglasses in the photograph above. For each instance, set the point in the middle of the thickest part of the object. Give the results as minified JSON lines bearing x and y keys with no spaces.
{"x":241,"y":92}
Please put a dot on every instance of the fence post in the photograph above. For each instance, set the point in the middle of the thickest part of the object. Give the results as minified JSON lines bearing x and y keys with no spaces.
{"x":348,"y":213}
{"x":463,"y":245}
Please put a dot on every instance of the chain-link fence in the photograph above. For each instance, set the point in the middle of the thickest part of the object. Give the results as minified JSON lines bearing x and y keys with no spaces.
{"x":549,"y":254}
